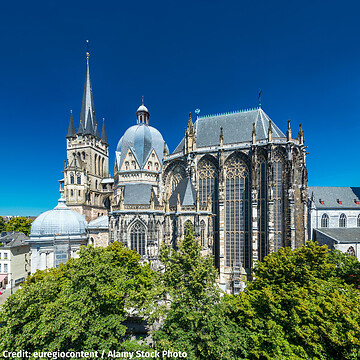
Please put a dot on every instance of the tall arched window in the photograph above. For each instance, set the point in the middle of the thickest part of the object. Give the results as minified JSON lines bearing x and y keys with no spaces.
{"x":358,"y":221}
{"x":72,"y":179}
{"x":102,"y":167}
{"x":325,"y":221}
{"x":99,"y":166}
{"x":237,"y":213}
{"x":95,"y":163}
{"x":342,"y":221}
{"x":78,"y":180}
{"x":137,"y":238}
{"x":202,"y":233}
{"x":262,"y":211}
{"x":278,"y":202}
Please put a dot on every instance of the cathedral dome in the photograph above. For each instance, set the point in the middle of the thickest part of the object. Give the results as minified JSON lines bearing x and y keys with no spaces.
{"x":59,"y":221}
{"x":141,"y":139}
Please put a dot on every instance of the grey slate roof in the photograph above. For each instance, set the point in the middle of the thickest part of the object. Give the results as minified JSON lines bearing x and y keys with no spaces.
{"x":138,"y":194}
{"x":342,"y":235}
{"x":329,"y":195}
{"x":13,"y":239}
{"x":187,"y":193}
{"x":87,"y":101}
{"x":71,"y":129}
{"x":102,"y":222}
{"x":103,"y":134}
{"x":237,"y":128}
{"x":89,"y":127}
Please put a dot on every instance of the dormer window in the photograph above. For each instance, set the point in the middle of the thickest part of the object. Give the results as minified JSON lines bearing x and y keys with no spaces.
{"x":321,"y":202}
{"x":339,"y":201}
{"x":356,"y":201}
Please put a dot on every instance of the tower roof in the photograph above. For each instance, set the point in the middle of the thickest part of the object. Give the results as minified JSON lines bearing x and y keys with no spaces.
{"x":71,"y":130}
{"x":103,"y":134}
{"x":186,"y":191}
{"x":88,"y":102}
{"x":89,"y":125}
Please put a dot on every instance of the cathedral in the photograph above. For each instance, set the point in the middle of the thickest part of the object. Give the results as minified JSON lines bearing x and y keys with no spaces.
{"x":236,"y":177}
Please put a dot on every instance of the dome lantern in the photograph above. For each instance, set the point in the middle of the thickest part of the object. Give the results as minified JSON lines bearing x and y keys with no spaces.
{"x":142,"y":114}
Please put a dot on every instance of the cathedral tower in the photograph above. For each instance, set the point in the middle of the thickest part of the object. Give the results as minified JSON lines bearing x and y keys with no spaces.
{"x":87,"y":183}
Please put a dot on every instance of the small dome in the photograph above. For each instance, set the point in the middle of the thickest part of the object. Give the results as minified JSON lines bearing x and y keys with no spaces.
{"x":142,"y":108}
{"x":59,"y":221}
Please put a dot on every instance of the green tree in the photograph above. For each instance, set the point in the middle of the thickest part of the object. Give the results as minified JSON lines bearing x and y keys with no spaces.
{"x":2,"y":224}
{"x":19,"y":223}
{"x":299,"y":307}
{"x":79,"y":306}
{"x":195,"y":317}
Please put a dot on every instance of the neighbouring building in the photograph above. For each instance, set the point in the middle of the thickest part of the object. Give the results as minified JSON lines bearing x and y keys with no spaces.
{"x":334,"y":217}
{"x":14,"y":259}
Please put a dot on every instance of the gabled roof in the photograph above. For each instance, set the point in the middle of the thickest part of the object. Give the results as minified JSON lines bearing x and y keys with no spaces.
{"x":186,"y":191}
{"x":13,"y":239}
{"x":341,"y":235}
{"x":330,"y":195}
{"x":237,"y":128}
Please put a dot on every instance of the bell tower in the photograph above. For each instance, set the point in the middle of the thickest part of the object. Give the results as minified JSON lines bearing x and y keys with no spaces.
{"x":87,"y":184}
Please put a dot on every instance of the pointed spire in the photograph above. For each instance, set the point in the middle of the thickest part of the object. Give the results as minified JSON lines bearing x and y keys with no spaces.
{"x":301,"y":135}
{"x":190,"y":126}
{"x":80,"y":129}
{"x":270,"y":132}
{"x":165,"y":149}
{"x":254,"y":134}
{"x":87,"y":100}
{"x":103,"y":134}
{"x":96,"y":132}
{"x":88,"y":127}
{"x":288,"y":132}
{"x":221,"y":137}
{"x":71,"y":130}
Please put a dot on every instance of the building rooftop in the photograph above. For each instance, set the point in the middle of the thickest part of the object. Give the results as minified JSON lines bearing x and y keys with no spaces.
{"x":13,"y":239}
{"x":332,"y":197}
{"x":341,"y":235}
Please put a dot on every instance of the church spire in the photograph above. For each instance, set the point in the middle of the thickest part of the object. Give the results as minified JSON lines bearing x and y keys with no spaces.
{"x":103,"y":134}
{"x":88,"y":125}
{"x":71,"y":130}
{"x":88,"y":100}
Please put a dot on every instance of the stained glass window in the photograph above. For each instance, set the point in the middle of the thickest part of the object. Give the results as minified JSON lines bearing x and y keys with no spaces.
{"x":342,"y":220}
{"x":237,"y":221}
{"x":137,"y":238}
{"x":278,"y":202}
{"x":262,"y":211}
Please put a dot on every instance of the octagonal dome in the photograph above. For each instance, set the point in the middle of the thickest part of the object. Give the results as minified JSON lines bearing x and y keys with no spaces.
{"x":59,"y":221}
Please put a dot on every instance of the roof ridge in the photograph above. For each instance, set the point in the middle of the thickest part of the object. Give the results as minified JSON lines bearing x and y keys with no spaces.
{"x":228,"y":113}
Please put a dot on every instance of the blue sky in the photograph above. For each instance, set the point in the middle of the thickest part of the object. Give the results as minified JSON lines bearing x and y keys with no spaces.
{"x":211,"y":55}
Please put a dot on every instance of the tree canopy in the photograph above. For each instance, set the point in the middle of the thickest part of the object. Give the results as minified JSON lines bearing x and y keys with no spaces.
{"x":79,"y":306}
{"x":19,"y":223}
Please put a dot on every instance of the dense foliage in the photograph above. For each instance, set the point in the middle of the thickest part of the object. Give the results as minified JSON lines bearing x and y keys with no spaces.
{"x":19,"y":223}
{"x":80,"y":306}
{"x":302,"y":305}
{"x":2,"y":224}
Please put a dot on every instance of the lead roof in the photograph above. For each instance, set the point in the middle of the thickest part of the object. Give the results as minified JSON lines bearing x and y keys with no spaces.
{"x":138,"y":194}
{"x":342,"y":235}
{"x":187,"y":193}
{"x":237,"y":128}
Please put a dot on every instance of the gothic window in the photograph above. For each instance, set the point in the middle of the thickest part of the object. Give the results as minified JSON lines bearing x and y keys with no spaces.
{"x":79,"y":180}
{"x":208,"y":181}
{"x":351,"y":251}
{"x":83,"y":154}
{"x":278,"y":202}
{"x":262,"y":212}
{"x":126,"y":165}
{"x":102,"y":167}
{"x":72,"y":192}
{"x":342,"y":220}
{"x":325,"y":221}
{"x":137,"y":238}
{"x":202,"y":233}
{"x":72,"y":179}
{"x":156,"y":166}
{"x":358,"y":221}
{"x":133,"y":164}
{"x":237,"y":213}
{"x":186,"y":225}
{"x":95,"y":163}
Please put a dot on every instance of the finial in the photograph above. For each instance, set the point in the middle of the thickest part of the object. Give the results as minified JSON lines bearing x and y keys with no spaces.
{"x":259,"y":99}
{"x":270,"y":132}
{"x":288,"y":132}
{"x":197,"y":112}
{"x":70,"y":111}
{"x":87,"y":50}
{"x":103,"y":120}
{"x":142,"y":100}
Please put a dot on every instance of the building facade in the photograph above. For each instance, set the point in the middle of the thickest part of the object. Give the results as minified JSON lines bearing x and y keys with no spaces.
{"x":236,"y":177}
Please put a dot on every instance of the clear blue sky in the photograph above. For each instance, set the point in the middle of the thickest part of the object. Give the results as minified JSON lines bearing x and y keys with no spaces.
{"x":181,"y":55}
